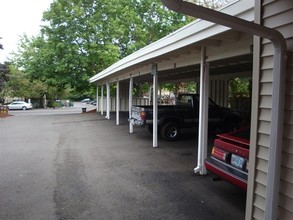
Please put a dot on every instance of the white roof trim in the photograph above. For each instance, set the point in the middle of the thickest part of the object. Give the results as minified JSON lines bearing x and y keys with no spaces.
{"x":194,"y":32}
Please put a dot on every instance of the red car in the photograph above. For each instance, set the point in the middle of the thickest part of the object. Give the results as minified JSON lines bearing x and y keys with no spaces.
{"x":229,"y":157}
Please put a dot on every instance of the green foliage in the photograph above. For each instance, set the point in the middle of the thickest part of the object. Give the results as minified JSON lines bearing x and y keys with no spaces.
{"x":240,"y":87}
{"x":169,"y":87}
{"x":213,"y":4}
{"x":176,"y":88}
{"x":138,"y":23}
{"x":83,"y":37}
{"x":184,"y":87}
{"x":145,"y":87}
{"x":4,"y":72}
{"x":20,"y":86}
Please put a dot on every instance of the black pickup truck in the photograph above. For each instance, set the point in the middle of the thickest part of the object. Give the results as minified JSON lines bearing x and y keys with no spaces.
{"x":184,"y":114}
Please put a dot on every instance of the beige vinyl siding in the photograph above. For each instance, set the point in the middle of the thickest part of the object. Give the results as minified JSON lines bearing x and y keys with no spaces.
{"x":283,"y":214}
{"x":288,"y":147}
{"x":289,"y":103}
{"x":286,"y":183}
{"x":265,"y":115}
{"x":277,"y":15}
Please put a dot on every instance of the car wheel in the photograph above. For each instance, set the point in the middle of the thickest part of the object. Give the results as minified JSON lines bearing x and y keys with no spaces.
{"x":24,"y":108}
{"x":170,"y":131}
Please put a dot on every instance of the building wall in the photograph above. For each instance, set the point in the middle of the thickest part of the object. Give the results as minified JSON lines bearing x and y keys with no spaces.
{"x":276,"y":14}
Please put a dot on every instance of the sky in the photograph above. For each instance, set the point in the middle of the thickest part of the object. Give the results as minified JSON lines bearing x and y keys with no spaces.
{"x":16,"y":18}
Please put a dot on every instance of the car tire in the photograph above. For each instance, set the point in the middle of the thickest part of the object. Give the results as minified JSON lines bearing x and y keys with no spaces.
{"x":170,"y":131}
{"x":24,"y":108}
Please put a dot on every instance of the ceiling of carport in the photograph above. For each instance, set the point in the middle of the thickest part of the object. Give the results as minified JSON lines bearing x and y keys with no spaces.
{"x":227,"y":53}
{"x":239,"y":66}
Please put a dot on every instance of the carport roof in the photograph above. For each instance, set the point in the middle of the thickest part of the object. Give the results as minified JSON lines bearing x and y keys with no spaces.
{"x":188,"y":38}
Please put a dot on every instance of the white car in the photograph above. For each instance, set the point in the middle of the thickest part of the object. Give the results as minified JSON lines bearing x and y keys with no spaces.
{"x":21,"y":105}
{"x":87,"y":101}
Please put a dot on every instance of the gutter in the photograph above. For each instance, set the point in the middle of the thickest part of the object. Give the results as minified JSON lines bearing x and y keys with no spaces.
{"x":279,"y":71}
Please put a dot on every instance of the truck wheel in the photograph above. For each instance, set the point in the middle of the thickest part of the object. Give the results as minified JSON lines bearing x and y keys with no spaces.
{"x":170,"y":131}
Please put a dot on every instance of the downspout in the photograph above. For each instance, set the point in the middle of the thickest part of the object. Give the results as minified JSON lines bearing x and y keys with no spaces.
{"x":279,"y":71}
{"x":203,"y":115}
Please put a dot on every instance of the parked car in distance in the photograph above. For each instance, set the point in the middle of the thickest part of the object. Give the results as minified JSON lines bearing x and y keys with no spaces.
{"x":19,"y":105}
{"x":229,"y":157}
{"x":86,"y":101}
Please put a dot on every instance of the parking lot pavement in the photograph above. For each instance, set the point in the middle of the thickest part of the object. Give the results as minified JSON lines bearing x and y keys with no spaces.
{"x":81,"y":166}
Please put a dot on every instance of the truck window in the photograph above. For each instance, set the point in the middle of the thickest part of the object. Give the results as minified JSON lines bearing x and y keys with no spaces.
{"x":211,"y":102}
{"x":184,"y":100}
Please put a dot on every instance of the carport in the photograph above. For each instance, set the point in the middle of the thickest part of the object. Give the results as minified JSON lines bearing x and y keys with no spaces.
{"x":205,"y":52}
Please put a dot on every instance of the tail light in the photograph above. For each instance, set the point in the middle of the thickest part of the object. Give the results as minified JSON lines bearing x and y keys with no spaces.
{"x":142,"y":115}
{"x":220,"y":154}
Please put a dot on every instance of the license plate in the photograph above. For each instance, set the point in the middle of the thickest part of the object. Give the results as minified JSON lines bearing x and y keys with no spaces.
{"x":237,"y":161}
{"x":136,"y":115}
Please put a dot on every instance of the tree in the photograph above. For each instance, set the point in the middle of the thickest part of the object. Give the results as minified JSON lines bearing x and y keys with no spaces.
{"x":3,"y":80}
{"x":3,"y":77}
{"x":213,"y":4}
{"x":142,"y":22}
{"x":19,"y":85}
{"x":240,"y":87}
{"x":83,"y":37}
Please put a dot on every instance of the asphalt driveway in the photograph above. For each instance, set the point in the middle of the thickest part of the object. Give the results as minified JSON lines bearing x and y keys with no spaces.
{"x":81,"y":166}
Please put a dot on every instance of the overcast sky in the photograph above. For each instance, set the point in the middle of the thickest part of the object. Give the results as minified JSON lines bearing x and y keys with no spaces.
{"x":16,"y":18}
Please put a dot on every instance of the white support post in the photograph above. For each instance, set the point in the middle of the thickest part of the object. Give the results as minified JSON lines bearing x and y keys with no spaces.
{"x":108,"y":100}
{"x":97,"y":103}
{"x":130,"y":103}
{"x":203,"y":115}
{"x":102,"y":99}
{"x":155,"y":104}
{"x":150,"y":95}
{"x":117,"y":103}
